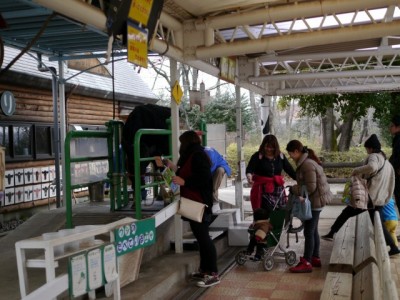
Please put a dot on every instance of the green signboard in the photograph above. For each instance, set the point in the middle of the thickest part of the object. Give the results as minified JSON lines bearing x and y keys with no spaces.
{"x":134,"y":236}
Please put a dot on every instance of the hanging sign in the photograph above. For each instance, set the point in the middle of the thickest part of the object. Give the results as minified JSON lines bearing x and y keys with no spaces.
{"x":110,"y":263}
{"x":140,"y":11}
{"x":137,"y":235}
{"x":137,"y":45}
{"x":8,"y":103}
{"x":227,"y":69}
{"x":177,"y":92}
{"x":91,"y":269}
{"x":78,"y":275}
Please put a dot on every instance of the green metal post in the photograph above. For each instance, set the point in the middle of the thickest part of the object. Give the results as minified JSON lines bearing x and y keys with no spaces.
{"x":68,"y":200}
{"x":68,"y":160}
{"x":138,"y":159}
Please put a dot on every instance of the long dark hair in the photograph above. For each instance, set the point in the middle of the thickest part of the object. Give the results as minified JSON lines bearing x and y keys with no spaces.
{"x":273,"y":142}
{"x":187,"y":139}
{"x":297,"y":145}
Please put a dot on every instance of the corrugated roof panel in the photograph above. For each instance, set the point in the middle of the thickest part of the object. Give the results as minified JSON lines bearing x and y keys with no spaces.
{"x":127,"y":81}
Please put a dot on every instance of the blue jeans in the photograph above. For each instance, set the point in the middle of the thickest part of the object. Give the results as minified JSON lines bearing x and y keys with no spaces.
{"x":311,"y":236}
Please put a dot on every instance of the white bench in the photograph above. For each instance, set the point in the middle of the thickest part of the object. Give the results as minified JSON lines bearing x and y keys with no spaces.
{"x":49,"y":259}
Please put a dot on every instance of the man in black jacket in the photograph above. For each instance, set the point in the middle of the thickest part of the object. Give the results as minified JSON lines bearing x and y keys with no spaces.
{"x":395,"y":157}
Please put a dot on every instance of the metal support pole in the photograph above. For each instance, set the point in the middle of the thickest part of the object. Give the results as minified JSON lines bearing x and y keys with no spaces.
{"x":175,"y":152}
{"x":240,"y":155}
{"x":56,"y":143}
{"x":63,"y":129}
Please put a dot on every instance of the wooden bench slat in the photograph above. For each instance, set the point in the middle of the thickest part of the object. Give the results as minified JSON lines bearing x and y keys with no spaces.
{"x":366,"y":283}
{"x":342,"y":257}
{"x":337,"y":286}
{"x":364,"y":250}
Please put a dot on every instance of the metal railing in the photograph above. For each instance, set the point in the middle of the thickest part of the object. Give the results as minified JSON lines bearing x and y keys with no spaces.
{"x":114,"y":164}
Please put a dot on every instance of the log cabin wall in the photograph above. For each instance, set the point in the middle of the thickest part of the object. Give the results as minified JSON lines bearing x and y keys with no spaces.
{"x":89,"y":111}
{"x":28,"y":182}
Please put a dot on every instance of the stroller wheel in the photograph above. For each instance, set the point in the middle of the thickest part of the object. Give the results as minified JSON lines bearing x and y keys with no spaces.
{"x":290,"y":258}
{"x":240,"y":258}
{"x":268,"y":263}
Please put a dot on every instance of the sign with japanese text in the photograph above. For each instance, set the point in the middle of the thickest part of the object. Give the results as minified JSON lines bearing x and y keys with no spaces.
{"x":137,"y":45}
{"x":140,"y":11}
{"x":137,"y":235}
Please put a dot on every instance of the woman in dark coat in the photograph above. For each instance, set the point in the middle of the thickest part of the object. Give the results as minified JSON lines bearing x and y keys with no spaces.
{"x":264,"y":173}
{"x":195,"y":181}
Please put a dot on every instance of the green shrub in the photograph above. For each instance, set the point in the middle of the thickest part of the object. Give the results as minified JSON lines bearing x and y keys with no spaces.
{"x":355,"y":154}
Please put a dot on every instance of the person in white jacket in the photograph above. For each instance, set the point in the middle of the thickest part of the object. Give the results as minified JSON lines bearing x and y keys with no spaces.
{"x":380,"y":182}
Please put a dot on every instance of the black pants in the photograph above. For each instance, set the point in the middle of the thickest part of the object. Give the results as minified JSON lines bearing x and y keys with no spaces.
{"x":397,"y":191}
{"x":208,"y":253}
{"x":346,"y":214}
{"x":253,"y":244}
{"x":388,"y":238}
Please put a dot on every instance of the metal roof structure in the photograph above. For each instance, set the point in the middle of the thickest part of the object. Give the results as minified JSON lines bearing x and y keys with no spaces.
{"x":282,"y":47}
{"x":129,"y":86}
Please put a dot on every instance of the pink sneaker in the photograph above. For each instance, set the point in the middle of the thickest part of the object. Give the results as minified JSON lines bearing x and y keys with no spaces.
{"x":316,"y":262}
{"x":302,"y":267}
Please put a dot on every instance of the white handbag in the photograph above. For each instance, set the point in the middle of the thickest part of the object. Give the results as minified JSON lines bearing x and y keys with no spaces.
{"x":191,"y":209}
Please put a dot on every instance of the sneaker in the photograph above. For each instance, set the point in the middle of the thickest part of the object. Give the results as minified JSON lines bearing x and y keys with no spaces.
{"x":302,"y":267}
{"x":394,"y":252}
{"x":198,"y":275}
{"x":209,"y":280}
{"x":327,"y":237}
{"x":316,"y":262}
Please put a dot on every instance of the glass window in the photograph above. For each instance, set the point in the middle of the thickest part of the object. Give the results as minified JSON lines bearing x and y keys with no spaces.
{"x":22,"y":140}
{"x":5,"y":139}
{"x":43,"y":140}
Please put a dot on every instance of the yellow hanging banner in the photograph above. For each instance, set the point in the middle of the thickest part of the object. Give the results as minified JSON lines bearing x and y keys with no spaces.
{"x":140,"y":11}
{"x":137,"y":46}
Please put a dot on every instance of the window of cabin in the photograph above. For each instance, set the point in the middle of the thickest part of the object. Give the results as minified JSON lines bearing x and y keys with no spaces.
{"x":5,"y":139}
{"x":27,"y":141}
{"x":43,"y":141}
{"x":22,"y":140}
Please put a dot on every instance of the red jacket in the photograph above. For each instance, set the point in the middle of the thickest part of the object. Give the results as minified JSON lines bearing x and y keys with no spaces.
{"x":262,"y":185}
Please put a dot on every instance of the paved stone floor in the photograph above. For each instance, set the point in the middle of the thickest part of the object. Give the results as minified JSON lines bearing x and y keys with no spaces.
{"x":250,"y":281}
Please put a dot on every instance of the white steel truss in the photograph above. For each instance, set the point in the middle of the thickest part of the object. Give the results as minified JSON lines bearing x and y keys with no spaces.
{"x":269,"y":33}
{"x":314,"y":43}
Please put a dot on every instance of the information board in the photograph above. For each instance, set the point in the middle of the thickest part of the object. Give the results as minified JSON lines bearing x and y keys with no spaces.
{"x":137,"y":235}
{"x":91,"y":269}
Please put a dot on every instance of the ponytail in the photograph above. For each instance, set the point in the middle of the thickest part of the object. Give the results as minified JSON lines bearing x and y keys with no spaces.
{"x":297,"y":145}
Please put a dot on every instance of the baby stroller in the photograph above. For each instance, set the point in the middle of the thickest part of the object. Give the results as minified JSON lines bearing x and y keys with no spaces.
{"x":282,"y":221}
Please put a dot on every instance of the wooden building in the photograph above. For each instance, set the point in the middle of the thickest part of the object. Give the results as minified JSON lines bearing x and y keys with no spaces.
{"x":26,"y":130}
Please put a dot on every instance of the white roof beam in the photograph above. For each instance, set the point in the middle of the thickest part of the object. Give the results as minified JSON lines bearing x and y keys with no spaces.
{"x":338,"y":89}
{"x":288,"y":12}
{"x":333,"y":55}
{"x":327,"y":75}
{"x":322,"y":37}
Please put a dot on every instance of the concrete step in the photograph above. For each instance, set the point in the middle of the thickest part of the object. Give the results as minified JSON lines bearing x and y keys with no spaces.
{"x":167,"y":276}
{"x":238,"y":234}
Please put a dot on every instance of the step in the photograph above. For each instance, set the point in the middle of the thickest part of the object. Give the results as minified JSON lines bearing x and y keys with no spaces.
{"x":225,"y":218}
{"x":167,"y":276}
{"x":238,"y":234}
{"x":189,"y":242}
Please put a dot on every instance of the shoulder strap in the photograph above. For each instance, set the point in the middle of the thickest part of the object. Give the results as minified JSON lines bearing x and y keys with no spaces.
{"x":380,"y":169}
